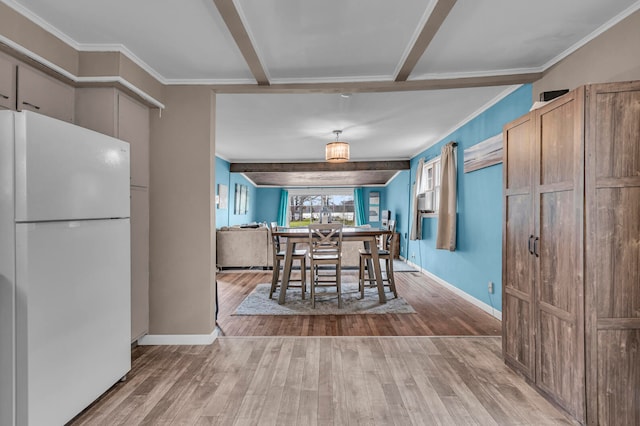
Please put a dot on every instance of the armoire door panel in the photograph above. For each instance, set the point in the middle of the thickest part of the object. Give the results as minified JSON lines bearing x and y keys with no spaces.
{"x":557,"y":135}
{"x":618,"y":252}
{"x":619,"y":377}
{"x":617,"y":134}
{"x":518,"y":241}
{"x":518,"y":343}
{"x":556,"y":248}
{"x":560,"y":371}
{"x":518,"y":156}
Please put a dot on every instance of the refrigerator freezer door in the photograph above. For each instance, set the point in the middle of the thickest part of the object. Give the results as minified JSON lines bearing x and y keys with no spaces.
{"x":66,"y":172}
{"x":7,"y":270}
{"x":73,"y":316}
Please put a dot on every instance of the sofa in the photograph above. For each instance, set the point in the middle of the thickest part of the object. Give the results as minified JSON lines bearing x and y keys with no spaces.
{"x":250,"y":247}
{"x":238,"y":247}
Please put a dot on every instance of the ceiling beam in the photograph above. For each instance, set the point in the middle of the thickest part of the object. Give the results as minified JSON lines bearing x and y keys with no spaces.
{"x":431,"y":27}
{"x":381,"y":86}
{"x":231,"y":18}
{"x":349,"y":166}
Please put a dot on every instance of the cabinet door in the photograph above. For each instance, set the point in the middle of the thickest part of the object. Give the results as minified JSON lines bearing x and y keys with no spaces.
{"x":559,"y":186}
{"x":517,"y":266}
{"x":139,"y":262}
{"x":43,"y":94}
{"x":96,"y":109}
{"x":133,"y":127}
{"x":613,"y":253}
{"x":7,"y":82}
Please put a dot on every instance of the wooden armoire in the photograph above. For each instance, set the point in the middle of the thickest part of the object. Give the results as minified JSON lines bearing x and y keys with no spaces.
{"x":571,"y":251}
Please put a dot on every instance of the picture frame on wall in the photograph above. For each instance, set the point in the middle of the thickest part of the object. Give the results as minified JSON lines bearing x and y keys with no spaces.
{"x":241,"y":202}
{"x":374,"y":207}
{"x":483,"y":154}
{"x":223,"y":196}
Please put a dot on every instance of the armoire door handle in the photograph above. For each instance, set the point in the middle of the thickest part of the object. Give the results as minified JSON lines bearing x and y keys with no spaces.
{"x":530,"y":245}
{"x":3,"y":96}
{"x":535,"y":247}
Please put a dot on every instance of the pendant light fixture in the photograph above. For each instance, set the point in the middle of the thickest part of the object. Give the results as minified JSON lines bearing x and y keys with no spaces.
{"x":337,"y":152}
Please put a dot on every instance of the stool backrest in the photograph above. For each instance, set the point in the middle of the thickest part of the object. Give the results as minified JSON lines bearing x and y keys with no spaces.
{"x":325,"y":238}
{"x":275,"y":240}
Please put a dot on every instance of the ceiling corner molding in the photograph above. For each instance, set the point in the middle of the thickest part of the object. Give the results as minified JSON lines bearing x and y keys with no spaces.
{"x":36,"y":19}
{"x":470,"y":117}
{"x":211,"y":82}
{"x":604,"y":27}
{"x":123,"y":50}
{"x":432,"y":25}
{"x":74,"y":78}
{"x":231,"y":17}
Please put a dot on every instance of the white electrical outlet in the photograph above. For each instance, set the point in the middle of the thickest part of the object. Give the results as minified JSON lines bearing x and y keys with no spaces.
{"x":490,"y":287}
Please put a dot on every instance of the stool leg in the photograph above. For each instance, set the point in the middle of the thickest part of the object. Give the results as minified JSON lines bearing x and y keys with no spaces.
{"x":339,"y":285}
{"x":274,"y":278}
{"x":303,"y":276}
{"x":391,"y":278}
{"x":313,"y":285}
{"x":361,"y":277}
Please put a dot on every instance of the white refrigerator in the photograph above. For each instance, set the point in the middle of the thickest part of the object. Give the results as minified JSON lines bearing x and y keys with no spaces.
{"x":65,"y":315}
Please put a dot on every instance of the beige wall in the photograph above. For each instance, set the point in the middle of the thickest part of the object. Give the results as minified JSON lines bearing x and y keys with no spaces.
{"x":34,"y":38}
{"x":182,"y":231}
{"x":612,"y":56}
{"x":23,"y":32}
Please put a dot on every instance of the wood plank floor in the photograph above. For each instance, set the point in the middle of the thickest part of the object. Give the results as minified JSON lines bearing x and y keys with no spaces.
{"x":323,"y":381}
{"x":440,"y":312}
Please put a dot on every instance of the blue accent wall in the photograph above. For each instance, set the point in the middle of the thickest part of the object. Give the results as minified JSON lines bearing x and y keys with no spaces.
{"x":267,"y":204}
{"x":366,"y":193}
{"x":397,"y":197}
{"x":222,"y":178}
{"x":478,"y":256}
{"x":263,"y":202}
{"x":226,"y":217}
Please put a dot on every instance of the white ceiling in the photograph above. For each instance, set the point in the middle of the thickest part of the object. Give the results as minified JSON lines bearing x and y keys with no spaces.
{"x":329,"y":41}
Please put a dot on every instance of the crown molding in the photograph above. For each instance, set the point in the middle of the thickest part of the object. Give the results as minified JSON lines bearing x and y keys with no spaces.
{"x":604,"y":27}
{"x":470,"y":117}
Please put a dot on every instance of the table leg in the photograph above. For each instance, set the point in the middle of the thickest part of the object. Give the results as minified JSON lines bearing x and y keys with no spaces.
{"x":378,"y":272}
{"x":286,"y":274}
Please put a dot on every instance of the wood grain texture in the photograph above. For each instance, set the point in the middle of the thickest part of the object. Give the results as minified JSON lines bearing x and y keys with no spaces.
{"x":517,"y":244}
{"x":318,"y":380}
{"x":559,"y":216}
{"x":439,"y":312}
{"x":613,"y":253}
{"x":542,"y":250}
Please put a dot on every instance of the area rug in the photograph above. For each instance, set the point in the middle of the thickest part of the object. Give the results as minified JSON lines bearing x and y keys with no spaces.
{"x":258,"y":303}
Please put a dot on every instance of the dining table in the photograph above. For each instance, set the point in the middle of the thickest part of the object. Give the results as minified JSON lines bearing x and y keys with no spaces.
{"x":368,"y":236}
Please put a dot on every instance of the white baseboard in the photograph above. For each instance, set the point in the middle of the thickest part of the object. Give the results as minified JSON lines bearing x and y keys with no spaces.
{"x":466,"y":296}
{"x":179,"y":339}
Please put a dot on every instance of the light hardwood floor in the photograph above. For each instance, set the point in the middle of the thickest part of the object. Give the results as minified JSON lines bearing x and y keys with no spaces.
{"x":324,"y":380}
{"x":440,"y":312}
{"x":376,"y":379}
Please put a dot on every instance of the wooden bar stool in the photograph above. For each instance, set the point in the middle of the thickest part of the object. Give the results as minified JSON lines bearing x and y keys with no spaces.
{"x":387,"y":253}
{"x":325,"y":248}
{"x":278,"y":261}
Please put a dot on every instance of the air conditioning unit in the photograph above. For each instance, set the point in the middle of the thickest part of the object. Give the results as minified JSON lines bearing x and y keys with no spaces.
{"x":426,"y":202}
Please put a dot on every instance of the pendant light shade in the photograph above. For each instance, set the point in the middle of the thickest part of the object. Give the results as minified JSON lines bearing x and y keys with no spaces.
{"x":337,"y":152}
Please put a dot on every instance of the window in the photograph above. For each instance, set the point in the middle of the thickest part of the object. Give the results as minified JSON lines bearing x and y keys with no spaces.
{"x":429,"y":188}
{"x":306,"y":206}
